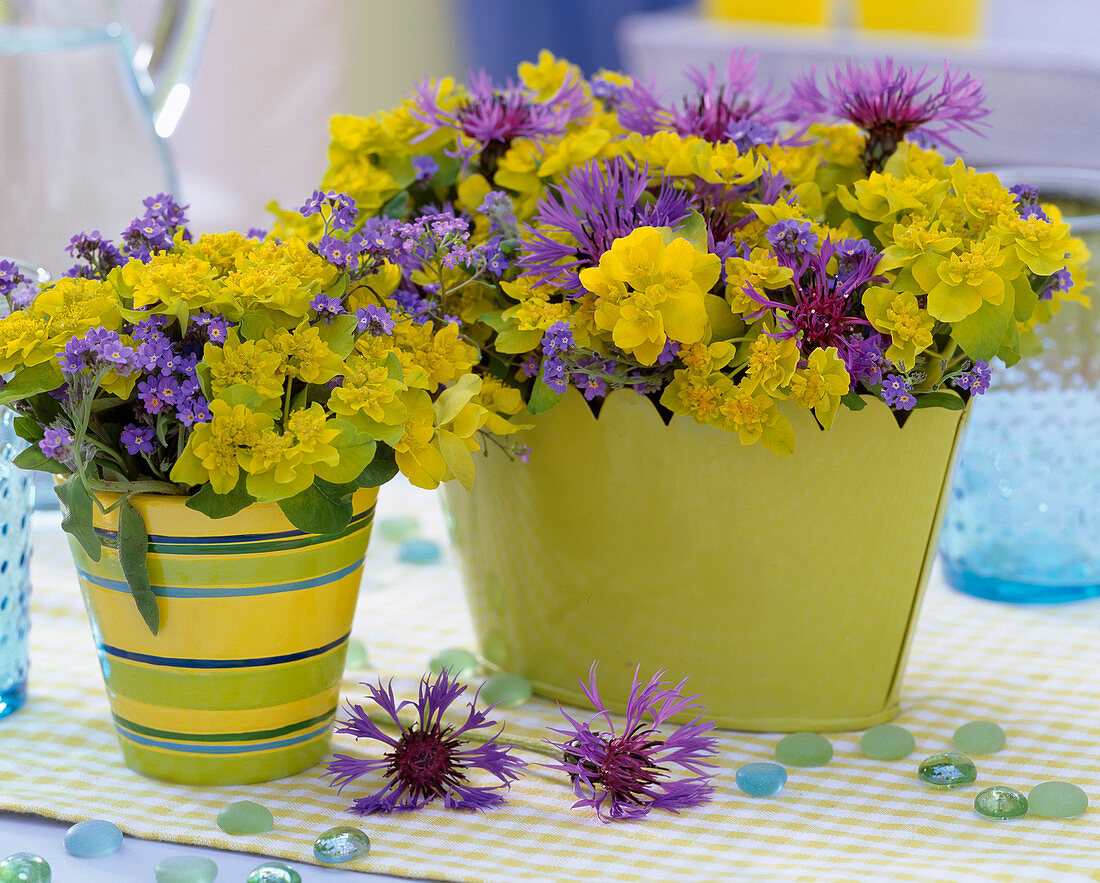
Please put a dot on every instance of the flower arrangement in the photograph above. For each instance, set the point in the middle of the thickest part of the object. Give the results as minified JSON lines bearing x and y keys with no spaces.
{"x":234,"y":369}
{"x":729,"y":255}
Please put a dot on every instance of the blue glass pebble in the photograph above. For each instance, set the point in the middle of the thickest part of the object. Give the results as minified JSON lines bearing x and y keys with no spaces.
{"x":760,"y":779}
{"x":93,"y":838}
{"x":338,"y":845}
{"x":460,"y":664}
{"x":186,"y":869}
{"x":419,"y":552}
{"x":274,"y":872}
{"x":24,"y":867}
{"x":505,"y":689}
{"x":357,"y":655}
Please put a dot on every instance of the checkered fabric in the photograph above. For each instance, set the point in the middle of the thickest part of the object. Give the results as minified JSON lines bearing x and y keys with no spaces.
{"x":1034,"y":670}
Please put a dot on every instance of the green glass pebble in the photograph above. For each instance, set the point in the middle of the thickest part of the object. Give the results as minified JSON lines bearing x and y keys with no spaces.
{"x":24,"y":867}
{"x":245,"y":817}
{"x":507,"y":689}
{"x":396,"y":529}
{"x":804,"y":749}
{"x":93,"y":838}
{"x":947,"y":770}
{"x":1057,"y":800}
{"x":419,"y":552}
{"x":186,"y":869}
{"x":979,"y":737}
{"x":357,"y":655}
{"x":339,"y":845}
{"x":887,"y":742}
{"x":461,"y":664}
{"x":274,"y":872}
{"x":1000,"y":802}
{"x":760,"y":779}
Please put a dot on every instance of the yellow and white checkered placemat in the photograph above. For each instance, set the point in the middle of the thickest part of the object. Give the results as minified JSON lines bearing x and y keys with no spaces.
{"x":1034,"y":670}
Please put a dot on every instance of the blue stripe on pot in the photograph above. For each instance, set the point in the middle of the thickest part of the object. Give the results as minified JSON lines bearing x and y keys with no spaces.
{"x":170,"y":745}
{"x":180,"y":662}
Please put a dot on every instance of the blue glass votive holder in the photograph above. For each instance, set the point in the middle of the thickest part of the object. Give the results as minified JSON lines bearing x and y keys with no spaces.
{"x":16,"y":506}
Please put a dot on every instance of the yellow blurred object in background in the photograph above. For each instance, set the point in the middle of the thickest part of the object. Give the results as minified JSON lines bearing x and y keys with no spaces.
{"x":960,"y":18}
{"x":801,"y":12}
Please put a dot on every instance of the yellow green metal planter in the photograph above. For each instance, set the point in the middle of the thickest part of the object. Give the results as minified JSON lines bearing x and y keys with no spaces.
{"x":242,"y":682}
{"x":785,"y":588}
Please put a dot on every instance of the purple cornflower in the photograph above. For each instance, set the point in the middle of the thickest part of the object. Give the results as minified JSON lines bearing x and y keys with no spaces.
{"x":897,"y":394}
{"x":428,"y":759}
{"x":374,"y":320}
{"x":889,"y":102}
{"x":489,"y":117}
{"x":137,"y":439}
{"x":625,"y":775}
{"x":327,"y":307}
{"x":733,"y":109}
{"x":791,"y":238}
{"x":594,"y":206}
{"x":425,"y":168}
{"x":55,"y":444}
{"x":977,"y":379}
{"x":823,"y":309}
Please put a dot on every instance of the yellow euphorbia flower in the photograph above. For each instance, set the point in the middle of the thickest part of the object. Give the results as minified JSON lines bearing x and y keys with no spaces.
{"x":771,"y":362}
{"x":251,"y":362}
{"x":754,"y":416}
{"x":761,"y":270}
{"x":821,"y":384}
{"x":899,"y":315}
{"x":546,"y":76}
{"x":369,"y":390}
{"x":215,"y":450}
{"x":305,"y":354}
{"x":967,"y":280}
{"x":24,"y":341}
{"x":881,"y":197}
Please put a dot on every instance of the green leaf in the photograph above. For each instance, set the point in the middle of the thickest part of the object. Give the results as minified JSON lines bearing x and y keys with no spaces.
{"x":496,"y":320}
{"x":31,"y":381}
{"x":693,"y":229}
{"x":241,"y":394}
{"x":253,"y":326}
{"x":339,"y":334}
{"x":380,"y":470}
{"x":949,"y":400}
{"x":214,"y":505}
{"x":396,"y":207}
{"x":510,"y":341}
{"x":394,"y":371}
{"x":133,"y":545}
{"x":28,"y":428}
{"x":853,"y":401}
{"x":543,"y":398}
{"x":76,"y":505}
{"x":981,"y":333}
{"x":314,"y":511}
{"x":33,"y":458}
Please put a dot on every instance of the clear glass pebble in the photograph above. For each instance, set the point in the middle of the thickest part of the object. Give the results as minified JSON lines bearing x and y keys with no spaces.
{"x":274,"y":872}
{"x":419,"y":552}
{"x":1000,"y":802}
{"x":461,"y":664}
{"x":760,"y":779}
{"x":245,"y":817}
{"x":396,"y":529}
{"x":24,"y":867}
{"x":979,"y":737}
{"x":507,"y":689}
{"x":186,"y":869}
{"x":1057,"y":800}
{"x":804,"y":749}
{"x":887,"y":742}
{"x":357,"y":655}
{"x":339,"y":845}
{"x":93,"y":838}
{"x":947,"y":770}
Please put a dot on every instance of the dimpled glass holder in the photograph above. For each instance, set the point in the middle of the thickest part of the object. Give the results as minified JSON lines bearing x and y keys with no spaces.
{"x":16,"y":505}
{"x":1023,"y":520}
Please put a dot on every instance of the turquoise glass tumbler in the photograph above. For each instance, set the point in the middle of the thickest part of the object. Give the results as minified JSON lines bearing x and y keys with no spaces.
{"x":1023,"y":519}
{"x":16,"y":506}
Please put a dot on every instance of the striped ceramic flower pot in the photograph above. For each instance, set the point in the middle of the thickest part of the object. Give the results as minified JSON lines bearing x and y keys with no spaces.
{"x":785,"y":588}
{"x":242,"y":681}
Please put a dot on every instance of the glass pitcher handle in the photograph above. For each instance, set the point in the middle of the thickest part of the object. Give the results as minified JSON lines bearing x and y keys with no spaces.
{"x":166,"y":67}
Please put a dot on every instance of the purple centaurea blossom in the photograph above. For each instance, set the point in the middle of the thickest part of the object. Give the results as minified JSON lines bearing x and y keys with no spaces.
{"x":374,"y":320}
{"x":625,"y":775}
{"x":897,"y":393}
{"x":55,"y":444}
{"x":823,"y":309}
{"x":429,"y":759}
{"x":977,"y":379}
{"x":889,"y":102}
{"x":138,"y":439}
{"x":595,"y":205}
{"x":718,"y":110}
{"x":488,"y":117}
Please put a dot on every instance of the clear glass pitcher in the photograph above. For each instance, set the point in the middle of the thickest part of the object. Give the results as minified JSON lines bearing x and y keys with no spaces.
{"x":85,"y":110}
